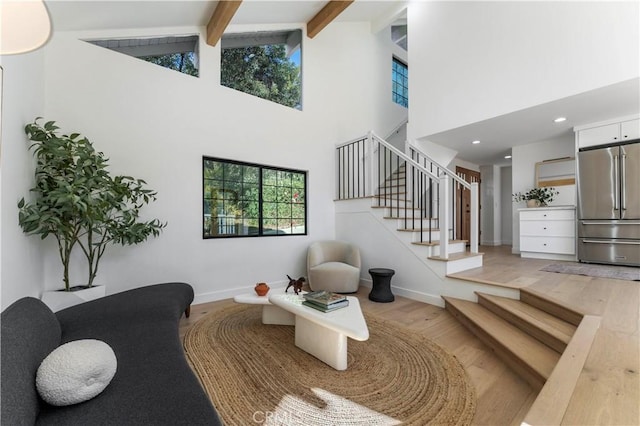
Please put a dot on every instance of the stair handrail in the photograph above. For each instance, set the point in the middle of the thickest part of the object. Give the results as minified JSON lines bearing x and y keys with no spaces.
{"x":402,"y":155}
{"x":474,"y":204}
{"x":442,"y":180}
{"x":445,"y":170}
{"x":398,"y":127}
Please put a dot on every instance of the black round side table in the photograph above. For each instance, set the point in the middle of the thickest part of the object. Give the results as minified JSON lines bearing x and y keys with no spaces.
{"x":381,"y":290}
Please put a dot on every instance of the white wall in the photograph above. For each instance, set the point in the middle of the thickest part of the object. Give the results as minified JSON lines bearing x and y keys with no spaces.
{"x":156,"y":124}
{"x":506,"y":219}
{"x":524,"y":161}
{"x":387,"y":114}
{"x":490,"y":200}
{"x":471,"y":61}
{"x":22,"y":101}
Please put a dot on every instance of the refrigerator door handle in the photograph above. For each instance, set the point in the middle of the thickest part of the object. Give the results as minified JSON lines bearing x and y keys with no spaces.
{"x":629,"y":243}
{"x":616,"y":180}
{"x":626,"y":222}
{"x":623,"y":174}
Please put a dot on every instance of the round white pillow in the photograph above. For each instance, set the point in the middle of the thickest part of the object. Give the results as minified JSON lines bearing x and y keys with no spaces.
{"x":76,"y":372}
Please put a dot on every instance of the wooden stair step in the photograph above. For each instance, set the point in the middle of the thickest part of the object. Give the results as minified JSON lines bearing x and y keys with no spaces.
{"x":552,"y":306}
{"x":418,"y":229}
{"x":455,"y":256}
{"x":436,"y":243}
{"x":395,"y":207}
{"x":391,"y":197}
{"x":549,"y":329}
{"x":530,"y":358}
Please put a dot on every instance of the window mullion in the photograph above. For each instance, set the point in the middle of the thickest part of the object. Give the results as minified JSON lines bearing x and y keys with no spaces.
{"x":260,"y":204}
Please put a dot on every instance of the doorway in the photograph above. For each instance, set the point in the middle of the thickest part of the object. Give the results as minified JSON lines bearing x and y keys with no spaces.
{"x":463,"y":199}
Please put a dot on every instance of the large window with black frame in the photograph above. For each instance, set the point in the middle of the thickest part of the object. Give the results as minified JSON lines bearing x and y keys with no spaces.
{"x":250,"y":200}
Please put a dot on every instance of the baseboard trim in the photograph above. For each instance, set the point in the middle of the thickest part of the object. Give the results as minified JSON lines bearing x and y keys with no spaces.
{"x":419,"y":296}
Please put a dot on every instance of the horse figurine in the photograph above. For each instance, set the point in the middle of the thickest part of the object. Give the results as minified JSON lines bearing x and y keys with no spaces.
{"x":296,"y":284}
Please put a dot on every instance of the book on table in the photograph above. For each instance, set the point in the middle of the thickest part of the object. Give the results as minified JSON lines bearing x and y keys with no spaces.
{"x":324,"y":308}
{"x":324,"y":298}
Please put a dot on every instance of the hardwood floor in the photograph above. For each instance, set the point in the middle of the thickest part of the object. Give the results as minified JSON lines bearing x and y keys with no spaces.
{"x":608,"y":389}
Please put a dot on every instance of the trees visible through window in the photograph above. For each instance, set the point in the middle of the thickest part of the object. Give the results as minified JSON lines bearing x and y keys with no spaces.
{"x":182,"y":62}
{"x":400,"y":83}
{"x":264,"y":64}
{"x":244,"y":199}
{"x":179,"y":53}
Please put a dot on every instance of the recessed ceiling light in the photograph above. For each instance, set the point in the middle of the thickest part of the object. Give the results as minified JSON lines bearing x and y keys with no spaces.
{"x":560,"y":119}
{"x":507,"y":156}
{"x":475,"y":142}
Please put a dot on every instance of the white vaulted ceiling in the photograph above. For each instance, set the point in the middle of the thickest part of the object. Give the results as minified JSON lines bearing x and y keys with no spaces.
{"x":94,"y":14}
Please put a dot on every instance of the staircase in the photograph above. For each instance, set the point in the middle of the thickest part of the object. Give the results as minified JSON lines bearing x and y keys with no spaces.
{"x":400,"y":210}
{"x":527,"y":337}
{"x":543,"y":341}
{"x":413,"y":196}
{"x":419,"y":224}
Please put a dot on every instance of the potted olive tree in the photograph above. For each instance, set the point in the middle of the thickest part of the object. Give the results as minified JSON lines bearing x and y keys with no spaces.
{"x":80,"y":204}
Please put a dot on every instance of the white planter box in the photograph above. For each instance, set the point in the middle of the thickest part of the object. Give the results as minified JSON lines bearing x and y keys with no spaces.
{"x":58,"y":300}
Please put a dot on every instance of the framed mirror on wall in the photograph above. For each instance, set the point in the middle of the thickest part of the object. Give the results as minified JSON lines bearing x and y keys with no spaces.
{"x":556,"y":172}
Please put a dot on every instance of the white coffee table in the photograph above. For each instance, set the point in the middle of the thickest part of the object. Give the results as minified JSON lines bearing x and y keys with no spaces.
{"x":270,"y":314}
{"x":324,"y":335}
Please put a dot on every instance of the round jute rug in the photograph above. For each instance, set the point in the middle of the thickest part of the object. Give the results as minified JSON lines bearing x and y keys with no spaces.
{"x":254,"y":374}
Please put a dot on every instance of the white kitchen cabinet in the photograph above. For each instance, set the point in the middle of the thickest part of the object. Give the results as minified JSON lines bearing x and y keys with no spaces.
{"x":548,"y":233}
{"x":630,"y":130}
{"x":609,"y":133}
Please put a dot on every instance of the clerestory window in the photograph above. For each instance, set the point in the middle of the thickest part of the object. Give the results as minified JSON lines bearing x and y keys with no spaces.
{"x":400,"y":83}
{"x":178,"y":53}
{"x":244,"y":199}
{"x":265,"y":64}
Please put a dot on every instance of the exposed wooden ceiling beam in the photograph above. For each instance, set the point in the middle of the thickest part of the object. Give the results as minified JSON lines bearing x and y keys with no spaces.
{"x":220,"y":19}
{"x":328,"y":13}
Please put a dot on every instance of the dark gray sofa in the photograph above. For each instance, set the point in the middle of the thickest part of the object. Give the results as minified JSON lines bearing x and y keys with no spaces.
{"x":153,"y":384}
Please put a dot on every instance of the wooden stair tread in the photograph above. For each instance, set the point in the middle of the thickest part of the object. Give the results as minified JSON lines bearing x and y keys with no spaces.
{"x":552,"y":402}
{"x":435,"y":219}
{"x":547,"y":328}
{"x":456,"y":256}
{"x":395,"y":207}
{"x":464,"y":276}
{"x":549,"y":304}
{"x":391,"y":197}
{"x":521,"y":350}
{"x":437,"y":243}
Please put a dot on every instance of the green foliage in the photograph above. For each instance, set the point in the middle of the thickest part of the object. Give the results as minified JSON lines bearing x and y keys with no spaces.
{"x":78,"y":202}
{"x":263,"y":71}
{"x":544,"y":195}
{"x":182,"y":62}
{"x":235,"y":191}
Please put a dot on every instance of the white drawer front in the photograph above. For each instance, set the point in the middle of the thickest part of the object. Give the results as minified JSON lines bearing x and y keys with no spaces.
{"x":547,"y":214}
{"x":559,"y":245}
{"x":551,"y":228}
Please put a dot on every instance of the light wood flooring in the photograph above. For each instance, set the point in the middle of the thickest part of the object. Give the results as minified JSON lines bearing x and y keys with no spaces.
{"x":608,"y":390}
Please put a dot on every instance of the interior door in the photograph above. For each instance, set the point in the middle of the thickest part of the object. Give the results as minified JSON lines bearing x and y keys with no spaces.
{"x":463,"y":203}
{"x":630,"y":185}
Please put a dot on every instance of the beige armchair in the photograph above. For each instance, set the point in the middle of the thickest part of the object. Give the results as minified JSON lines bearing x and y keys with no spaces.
{"x":333,"y":266}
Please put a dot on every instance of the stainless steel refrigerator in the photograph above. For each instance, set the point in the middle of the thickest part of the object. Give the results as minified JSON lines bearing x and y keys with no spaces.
{"x":609,"y":204}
